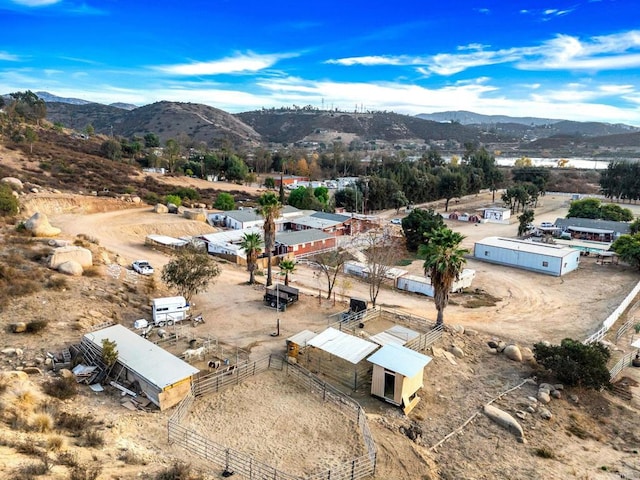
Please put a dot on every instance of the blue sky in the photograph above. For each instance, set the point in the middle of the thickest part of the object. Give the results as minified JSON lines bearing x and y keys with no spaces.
{"x":578,"y":59}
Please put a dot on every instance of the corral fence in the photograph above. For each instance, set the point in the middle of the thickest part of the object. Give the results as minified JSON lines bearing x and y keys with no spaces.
{"x":611,"y":319}
{"x":623,"y":363}
{"x":245,"y":465}
{"x":429,"y":331}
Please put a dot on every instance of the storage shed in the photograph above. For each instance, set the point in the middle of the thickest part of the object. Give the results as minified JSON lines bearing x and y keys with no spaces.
{"x":420,"y":284}
{"x":398,"y":374}
{"x":540,"y":257}
{"x":496,"y":214}
{"x":162,"y":377}
{"x":340,"y":356}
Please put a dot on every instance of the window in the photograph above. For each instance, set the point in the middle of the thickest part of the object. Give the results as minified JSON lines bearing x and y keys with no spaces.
{"x":545,"y":264}
{"x":486,"y":253}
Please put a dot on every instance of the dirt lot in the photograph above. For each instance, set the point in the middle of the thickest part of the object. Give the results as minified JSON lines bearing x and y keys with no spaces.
{"x":588,"y":437}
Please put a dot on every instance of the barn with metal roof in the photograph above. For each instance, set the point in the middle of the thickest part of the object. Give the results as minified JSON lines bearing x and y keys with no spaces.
{"x":162,"y":377}
{"x":539,"y":257}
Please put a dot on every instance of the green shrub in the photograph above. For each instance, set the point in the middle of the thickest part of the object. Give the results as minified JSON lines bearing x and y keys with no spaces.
{"x":36,"y":326}
{"x":61,"y":388}
{"x":184,"y":192}
{"x":8,"y":203}
{"x":176,"y":200}
{"x":575,"y":363}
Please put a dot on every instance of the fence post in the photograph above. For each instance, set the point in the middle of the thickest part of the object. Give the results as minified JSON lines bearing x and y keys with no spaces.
{"x":353,"y":469}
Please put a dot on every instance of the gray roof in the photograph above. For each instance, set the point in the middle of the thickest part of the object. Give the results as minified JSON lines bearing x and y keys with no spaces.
{"x":539,"y":248}
{"x":589,"y":223}
{"x":301,"y":236}
{"x":243,"y":215}
{"x":152,"y":362}
{"x":321,"y":220}
{"x":342,"y":345}
{"x":400,"y":359}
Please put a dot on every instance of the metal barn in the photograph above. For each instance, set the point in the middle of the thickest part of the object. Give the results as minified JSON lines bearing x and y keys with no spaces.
{"x":550,"y":259}
{"x":162,"y":377}
{"x":398,"y":374}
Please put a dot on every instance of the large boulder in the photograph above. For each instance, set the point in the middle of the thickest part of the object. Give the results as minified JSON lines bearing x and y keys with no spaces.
{"x":71,"y":268}
{"x":160,"y":208}
{"x":198,"y":215}
{"x":505,"y":420}
{"x":39,"y":226}
{"x":512,"y":352}
{"x":80,"y":255}
{"x":13,"y":181}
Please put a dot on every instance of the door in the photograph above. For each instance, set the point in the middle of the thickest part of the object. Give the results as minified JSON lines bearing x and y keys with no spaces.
{"x":389,"y":384}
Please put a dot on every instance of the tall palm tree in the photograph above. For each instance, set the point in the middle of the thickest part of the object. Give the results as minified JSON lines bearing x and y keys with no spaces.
{"x":444,"y":260}
{"x":252,"y":244}
{"x":270,"y":208}
{"x":286,"y":267}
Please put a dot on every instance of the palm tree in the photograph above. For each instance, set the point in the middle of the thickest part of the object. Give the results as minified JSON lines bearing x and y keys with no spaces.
{"x":269,"y":208}
{"x":444,"y":260}
{"x":287,"y":267}
{"x":252,"y":244}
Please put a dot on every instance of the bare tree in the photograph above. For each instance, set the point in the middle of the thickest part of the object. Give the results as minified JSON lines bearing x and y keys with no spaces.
{"x":382,"y":251}
{"x":330,"y":264}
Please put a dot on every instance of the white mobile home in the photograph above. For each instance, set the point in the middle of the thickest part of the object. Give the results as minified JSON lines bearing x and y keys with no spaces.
{"x":420,"y":284}
{"x":540,"y":257}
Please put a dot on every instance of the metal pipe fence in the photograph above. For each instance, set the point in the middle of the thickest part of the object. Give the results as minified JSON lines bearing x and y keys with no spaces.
{"x":244,"y":464}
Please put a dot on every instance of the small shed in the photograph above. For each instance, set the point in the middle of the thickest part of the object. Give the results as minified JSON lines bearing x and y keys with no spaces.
{"x":540,"y":257}
{"x":162,"y":377}
{"x":496,"y":214}
{"x":298,"y":342}
{"x":422,"y":285}
{"x":340,"y":356}
{"x":398,"y":374}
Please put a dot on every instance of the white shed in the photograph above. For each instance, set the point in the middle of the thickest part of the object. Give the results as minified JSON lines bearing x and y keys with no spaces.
{"x":420,"y":284}
{"x":540,"y":257}
{"x":496,"y":214}
{"x":398,"y":374}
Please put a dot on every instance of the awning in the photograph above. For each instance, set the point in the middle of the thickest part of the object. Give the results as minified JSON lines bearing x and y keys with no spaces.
{"x":590,"y":230}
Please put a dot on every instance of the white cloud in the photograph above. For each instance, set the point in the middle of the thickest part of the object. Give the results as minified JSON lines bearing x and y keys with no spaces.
{"x":240,"y":63}
{"x":372,"y":60}
{"x":35,"y":3}
{"x":8,"y":57}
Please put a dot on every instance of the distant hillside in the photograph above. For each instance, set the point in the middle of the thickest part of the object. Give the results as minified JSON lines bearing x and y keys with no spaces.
{"x":166,"y":119}
{"x":529,"y":127}
{"x":286,"y":126}
{"x":47,"y":97}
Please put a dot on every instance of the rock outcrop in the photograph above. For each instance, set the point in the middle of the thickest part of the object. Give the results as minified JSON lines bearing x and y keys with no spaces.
{"x":39,"y":226}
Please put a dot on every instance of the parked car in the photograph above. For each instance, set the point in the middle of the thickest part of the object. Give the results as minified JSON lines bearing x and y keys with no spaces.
{"x":396,"y":221}
{"x":142,"y":267}
{"x":546,"y":224}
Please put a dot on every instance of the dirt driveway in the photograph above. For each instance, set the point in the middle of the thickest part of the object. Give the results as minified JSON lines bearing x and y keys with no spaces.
{"x":529,"y":307}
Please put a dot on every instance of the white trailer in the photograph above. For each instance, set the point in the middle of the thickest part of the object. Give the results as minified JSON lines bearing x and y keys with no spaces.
{"x":169,"y":310}
{"x":419,"y":284}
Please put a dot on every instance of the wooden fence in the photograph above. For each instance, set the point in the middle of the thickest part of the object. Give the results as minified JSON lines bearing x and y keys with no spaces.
{"x":244,"y":464}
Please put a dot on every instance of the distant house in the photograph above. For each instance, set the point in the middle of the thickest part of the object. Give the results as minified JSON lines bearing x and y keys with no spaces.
{"x":246,"y":218}
{"x":292,"y":180}
{"x":303,"y":242}
{"x":593,"y":229}
{"x":540,"y":257}
{"x":333,"y":223}
{"x":162,"y":377}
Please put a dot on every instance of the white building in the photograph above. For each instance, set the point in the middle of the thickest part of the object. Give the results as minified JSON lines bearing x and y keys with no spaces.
{"x":421,"y":284}
{"x":540,"y":257}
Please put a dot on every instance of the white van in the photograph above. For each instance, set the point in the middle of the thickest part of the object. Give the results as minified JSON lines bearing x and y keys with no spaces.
{"x":169,"y":310}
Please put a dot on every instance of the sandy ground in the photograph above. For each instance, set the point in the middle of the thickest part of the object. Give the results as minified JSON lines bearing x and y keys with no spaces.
{"x":529,"y":307}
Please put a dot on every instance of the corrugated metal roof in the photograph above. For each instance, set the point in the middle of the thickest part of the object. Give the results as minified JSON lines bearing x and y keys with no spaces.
{"x":147,"y":359}
{"x":301,"y":236}
{"x":528,"y":246}
{"x":302,"y":338}
{"x":335,"y":217}
{"x":400,"y":359}
{"x":397,"y":335}
{"x":244,"y":215}
{"x":618,"y":227}
{"x":636,"y":344}
{"x":349,"y":348}
{"x":165,"y":240}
